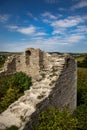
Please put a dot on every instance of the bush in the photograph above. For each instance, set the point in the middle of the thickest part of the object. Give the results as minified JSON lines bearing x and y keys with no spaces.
{"x":12,"y":87}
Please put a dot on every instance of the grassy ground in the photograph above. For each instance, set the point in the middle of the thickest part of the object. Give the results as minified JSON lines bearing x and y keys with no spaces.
{"x":80,"y":58}
{"x":82,"y":74}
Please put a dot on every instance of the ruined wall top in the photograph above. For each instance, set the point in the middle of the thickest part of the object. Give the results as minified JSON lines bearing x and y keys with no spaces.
{"x":32,"y":62}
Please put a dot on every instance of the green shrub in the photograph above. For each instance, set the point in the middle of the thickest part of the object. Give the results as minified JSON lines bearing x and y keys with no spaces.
{"x":12,"y":87}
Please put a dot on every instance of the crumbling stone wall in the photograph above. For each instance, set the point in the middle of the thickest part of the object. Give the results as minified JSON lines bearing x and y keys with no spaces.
{"x":55,"y":84}
{"x":63,"y":94}
{"x":30,"y":62}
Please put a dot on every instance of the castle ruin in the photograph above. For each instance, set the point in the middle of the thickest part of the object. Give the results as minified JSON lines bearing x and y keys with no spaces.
{"x":54,"y":84}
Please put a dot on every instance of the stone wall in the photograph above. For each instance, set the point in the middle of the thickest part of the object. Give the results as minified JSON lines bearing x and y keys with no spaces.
{"x":64,"y":93}
{"x":30,"y":62}
{"x":55,"y":84}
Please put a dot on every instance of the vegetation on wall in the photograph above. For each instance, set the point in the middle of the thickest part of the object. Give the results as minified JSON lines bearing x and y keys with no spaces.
{"x":12,"y":87}
{"x":53,"y":119}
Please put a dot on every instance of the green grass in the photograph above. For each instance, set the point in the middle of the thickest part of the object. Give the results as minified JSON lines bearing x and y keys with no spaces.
{"x":80,"y":58}
{"x":82,"y":86}
{"x":82,"y":74}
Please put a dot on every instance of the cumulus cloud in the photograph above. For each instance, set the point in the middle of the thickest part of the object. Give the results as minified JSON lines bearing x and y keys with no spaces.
{"x":69,"y":25}
{"x":4,"y":18}
{"x":30,"y":30}
{"x":81,"y":29}
{"x":81,"y":4}
{"x":53,"y":43}
{"x":63,"y":32}
{"x":68,"y":22}
{"x":24,"y":30}
{"x":74,"y":38}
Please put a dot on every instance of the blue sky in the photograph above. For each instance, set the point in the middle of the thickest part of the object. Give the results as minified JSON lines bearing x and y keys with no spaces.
{"x":52,"y":25}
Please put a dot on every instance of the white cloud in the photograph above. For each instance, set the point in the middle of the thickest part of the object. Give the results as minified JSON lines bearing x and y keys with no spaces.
{"x":30,"y":30}
{"x":81,"y":29}
{"x":47,"y":44}
{"x":40,"y":34}
{"x":53,"y":43}
{"x":68,"y":22}
{"x":12,"y":27}
{"x":27,"y":30}
{"x":31,"y":15}
{"x":81,"y":4}
{"x":60,"y":31}
{"x":49,"y":15}
{"x":67,"y":25}
{"x":4,"y":18}
{"x":24,"y":30}
{"x":75,"y":38}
